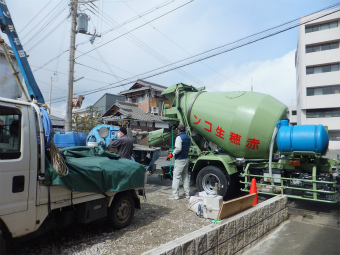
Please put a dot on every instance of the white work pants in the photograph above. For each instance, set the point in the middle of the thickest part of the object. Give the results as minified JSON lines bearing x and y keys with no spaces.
{"x":181,"y":170}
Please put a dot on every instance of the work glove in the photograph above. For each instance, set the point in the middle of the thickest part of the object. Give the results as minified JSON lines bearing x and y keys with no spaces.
{"x":169,"y":157}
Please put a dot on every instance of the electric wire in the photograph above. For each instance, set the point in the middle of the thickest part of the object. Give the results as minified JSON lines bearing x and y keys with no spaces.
{"x":124,"y":23}
{"x":50,"y":70}
{"x":36,"y":37}
{"x":184,"y":50}
{"x":214,"y":54}
{"x":95,"y":69}
{"x":48,"y":34}
{"x":147,"y":49}
{"x":180,"y":47}
{"x":31,"y":21}
{"x":51,"y":60}
{"x":119,"y":68}
{"x":41,"y":22}
{"x":134,"y":29}
{"x":152,"y":52}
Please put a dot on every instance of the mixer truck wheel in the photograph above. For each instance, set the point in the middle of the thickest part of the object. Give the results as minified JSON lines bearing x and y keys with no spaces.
{"x":210,"y":175}
{"x":121,"y":211}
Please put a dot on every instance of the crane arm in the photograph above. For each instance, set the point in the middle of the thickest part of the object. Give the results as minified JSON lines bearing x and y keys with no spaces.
{"x":8,"y":28}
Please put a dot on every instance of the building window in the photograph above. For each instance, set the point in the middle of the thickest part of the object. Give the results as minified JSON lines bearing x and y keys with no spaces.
{"x":324,"y":26}
{"x":139,"y":100}
{"x":322,"y":47}
{"x":334,"y":135}
{"x":322,"y":69}
{"x":327,"y":90}
{"x":10,"y":133}
{"x":293,"y":112}
{"x":323,"y":113}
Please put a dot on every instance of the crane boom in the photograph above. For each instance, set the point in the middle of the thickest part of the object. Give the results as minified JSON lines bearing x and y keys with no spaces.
{"x":8,"y":28}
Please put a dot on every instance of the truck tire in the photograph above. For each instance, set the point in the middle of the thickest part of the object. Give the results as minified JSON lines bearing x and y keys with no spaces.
{"x":2,"y":244}
{"x":121,"y":211}
{"x":207,"y":178}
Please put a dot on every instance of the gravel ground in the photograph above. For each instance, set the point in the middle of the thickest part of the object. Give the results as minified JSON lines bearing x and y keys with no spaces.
{"x":159,"y":221}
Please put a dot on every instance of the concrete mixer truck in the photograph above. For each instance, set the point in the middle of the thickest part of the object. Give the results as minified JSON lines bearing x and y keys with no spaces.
{"x":254,"y":140}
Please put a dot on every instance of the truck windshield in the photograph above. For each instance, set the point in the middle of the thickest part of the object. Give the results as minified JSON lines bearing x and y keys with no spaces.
{"x":10,"y":133}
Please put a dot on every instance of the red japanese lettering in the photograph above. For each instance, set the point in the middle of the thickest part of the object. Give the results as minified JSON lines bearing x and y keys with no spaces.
{"x":235,"y":138}
{"x":197,"y":121}
{"x":210,"y":124}
{"x":220,"y":132}
{"x":252,"y":143}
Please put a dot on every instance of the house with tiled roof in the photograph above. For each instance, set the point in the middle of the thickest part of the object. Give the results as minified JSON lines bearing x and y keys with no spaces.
{"x":146,"y":95}
{"x":138,"y":117}
{"x":57,"y":123}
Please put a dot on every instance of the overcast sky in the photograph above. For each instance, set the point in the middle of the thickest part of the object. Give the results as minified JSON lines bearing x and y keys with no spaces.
{"x":164,"y":32}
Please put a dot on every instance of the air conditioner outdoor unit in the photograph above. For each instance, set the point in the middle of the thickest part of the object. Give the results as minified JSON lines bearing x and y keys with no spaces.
{"x":154,"y":110}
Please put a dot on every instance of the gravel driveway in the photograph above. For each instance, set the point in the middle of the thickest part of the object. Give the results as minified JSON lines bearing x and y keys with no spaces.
{"x":159,"y":221}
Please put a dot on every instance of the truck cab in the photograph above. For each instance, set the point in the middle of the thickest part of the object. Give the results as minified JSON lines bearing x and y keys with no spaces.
{"x":26,"y":200}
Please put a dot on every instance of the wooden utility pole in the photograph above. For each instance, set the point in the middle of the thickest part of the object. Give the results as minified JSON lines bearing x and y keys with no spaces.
{"x":68,"y":120}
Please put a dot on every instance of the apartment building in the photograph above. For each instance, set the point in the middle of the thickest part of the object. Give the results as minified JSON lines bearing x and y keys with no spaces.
{"x":317,"y":74}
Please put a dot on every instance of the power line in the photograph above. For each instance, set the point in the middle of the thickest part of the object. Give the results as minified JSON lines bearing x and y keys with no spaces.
{"x":58,"y":72}
{"x":39,"y":33}
{"x":30,"y":22}
{"x":137,"y":28}
{"x":157,"y":7}
{"x":152,"y":52}
{"x":51,"y":60}
{"x":107,"y":63}
{"x":99,"y":70}
{"x":133,"y":19}
{"x":49,"y":33}
{"x":173,"y":42}
{"x":41,"y":21}
{"x":214,"y":54}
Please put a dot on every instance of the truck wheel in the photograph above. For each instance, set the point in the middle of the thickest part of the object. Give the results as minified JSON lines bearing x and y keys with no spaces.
{"x":2,"y":244}
{"x":210,"y":175}
{"x":121,"y":211}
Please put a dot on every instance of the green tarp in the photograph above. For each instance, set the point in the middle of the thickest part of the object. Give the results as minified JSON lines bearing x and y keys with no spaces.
{"x":95,"y":170}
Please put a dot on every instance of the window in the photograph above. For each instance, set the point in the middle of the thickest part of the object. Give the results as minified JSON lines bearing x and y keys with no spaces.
{"x":10,"y":133}
{"x":293,"y":112}
{"x":327,"y":90}
{"x":334,"y":135}
{"x":324,"y":26}
{"x":322,"y":69}
{"x":322,"y":47}
{"x":139,"y":100}
{"x":323,"y":113}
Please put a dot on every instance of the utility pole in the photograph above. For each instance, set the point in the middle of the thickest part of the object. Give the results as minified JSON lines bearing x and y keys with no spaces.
{"x":68,"y":120}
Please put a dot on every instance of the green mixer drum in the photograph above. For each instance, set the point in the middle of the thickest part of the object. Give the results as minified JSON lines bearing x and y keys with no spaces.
{"x":241,"y":123}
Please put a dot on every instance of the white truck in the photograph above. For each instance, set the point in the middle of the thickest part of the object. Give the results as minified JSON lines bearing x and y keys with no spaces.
{"x":29,"y":205}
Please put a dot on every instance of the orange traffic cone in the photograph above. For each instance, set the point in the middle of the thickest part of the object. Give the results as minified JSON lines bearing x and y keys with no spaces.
{"x":253,"y":190}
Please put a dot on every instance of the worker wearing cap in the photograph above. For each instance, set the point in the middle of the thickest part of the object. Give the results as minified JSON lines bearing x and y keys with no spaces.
{"x":124,"y":144}
{"x":181,"y":155}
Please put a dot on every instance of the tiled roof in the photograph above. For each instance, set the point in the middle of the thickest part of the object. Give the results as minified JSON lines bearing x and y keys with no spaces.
{"x":145,"y":85}
{"x":57,"y":121}
{"x":131,"y":111}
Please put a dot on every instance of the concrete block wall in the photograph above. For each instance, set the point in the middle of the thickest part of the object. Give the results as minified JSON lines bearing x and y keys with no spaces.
{"x":232,"y":235}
